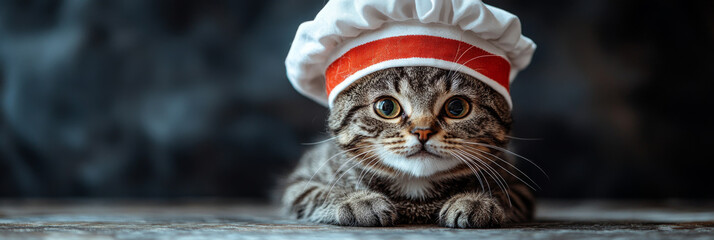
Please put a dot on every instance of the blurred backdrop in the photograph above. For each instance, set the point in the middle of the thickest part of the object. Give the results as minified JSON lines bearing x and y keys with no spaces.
{"x":157,"y":99}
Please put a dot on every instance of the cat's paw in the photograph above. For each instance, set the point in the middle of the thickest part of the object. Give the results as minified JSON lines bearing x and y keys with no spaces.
{"x":471,"y":210}
{"x":366,"y":208}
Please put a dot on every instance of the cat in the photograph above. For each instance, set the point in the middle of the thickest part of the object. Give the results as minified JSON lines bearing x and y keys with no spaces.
{"x":413,"y":145}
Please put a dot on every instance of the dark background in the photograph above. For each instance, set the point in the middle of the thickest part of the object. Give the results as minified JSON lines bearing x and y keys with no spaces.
{"x":157,"y":99}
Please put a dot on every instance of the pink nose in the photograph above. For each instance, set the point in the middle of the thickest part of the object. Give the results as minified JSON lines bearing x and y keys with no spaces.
{"x":423,"y":133}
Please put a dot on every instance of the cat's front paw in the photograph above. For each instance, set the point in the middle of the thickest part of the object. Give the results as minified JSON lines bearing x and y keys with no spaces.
{"x":471,"y":210}
{"x":366,"y":208}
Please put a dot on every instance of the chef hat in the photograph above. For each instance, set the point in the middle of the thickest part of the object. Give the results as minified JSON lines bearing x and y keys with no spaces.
{"x":349,"y":39}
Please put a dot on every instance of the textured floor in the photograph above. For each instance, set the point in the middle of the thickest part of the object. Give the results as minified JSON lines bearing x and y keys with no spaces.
{"x":221,"y":219}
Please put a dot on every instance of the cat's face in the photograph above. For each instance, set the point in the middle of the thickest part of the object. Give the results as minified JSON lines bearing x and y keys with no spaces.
{"x":420,"y":121}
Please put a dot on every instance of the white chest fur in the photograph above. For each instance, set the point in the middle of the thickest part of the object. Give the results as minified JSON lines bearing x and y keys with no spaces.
{"x":413,"y":187}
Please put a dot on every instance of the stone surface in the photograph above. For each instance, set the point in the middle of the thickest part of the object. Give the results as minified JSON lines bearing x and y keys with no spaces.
{"x":222,"y":219}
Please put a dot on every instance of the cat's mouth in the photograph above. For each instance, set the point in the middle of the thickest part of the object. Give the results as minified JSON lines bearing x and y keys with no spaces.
{"x":423,"y":153}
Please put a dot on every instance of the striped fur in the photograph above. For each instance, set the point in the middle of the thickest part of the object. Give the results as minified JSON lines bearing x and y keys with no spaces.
{"x":377,"y":173}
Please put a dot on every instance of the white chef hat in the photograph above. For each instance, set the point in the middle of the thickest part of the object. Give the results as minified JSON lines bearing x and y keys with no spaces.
{"x":349,"y":39}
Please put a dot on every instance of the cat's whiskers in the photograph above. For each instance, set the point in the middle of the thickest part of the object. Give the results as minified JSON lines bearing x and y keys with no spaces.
{"x":328,"y":160}
{"x":372,"y":162}
{"x":374,"y":173}
{"x":354,"y":164}
{"x":487,"y":166}
{"x":319,"y":142}
{"x":484,"y":168}
{"x":500,"y":181}
{"x":349,"y":160}
{"x":505,"y":169}
{"x":509,"y":152}
{"x":509,"y":164}
{"x":495,"y":175}
{"x":472,"y":170}
{"x":524,"y":139}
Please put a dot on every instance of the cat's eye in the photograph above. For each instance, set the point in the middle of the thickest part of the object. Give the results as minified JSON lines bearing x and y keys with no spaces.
{"x":456,"y":107}
{"x":387,"y":107}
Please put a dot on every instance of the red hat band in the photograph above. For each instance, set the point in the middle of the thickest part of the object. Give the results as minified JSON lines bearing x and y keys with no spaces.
{"x":416,"y":49}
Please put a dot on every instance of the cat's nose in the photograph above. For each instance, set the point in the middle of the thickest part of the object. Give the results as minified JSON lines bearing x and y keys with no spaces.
{"x":422,"y":133}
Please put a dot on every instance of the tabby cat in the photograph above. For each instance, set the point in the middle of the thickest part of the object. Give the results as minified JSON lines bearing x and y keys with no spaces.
{"x":413,"y":145}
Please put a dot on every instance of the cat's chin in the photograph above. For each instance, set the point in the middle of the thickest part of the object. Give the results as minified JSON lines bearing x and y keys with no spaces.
{"x":421,"y":164}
